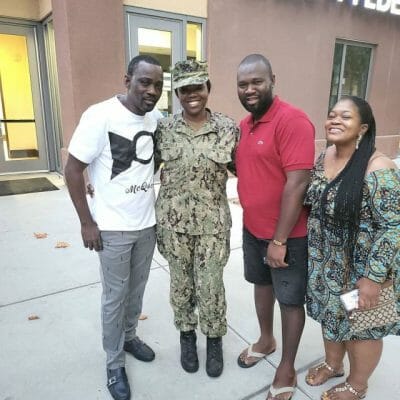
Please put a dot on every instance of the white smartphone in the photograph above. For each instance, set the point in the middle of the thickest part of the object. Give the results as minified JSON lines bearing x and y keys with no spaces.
{"x":350,"y":300}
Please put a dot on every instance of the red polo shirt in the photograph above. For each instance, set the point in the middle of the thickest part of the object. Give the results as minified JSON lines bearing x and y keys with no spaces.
{"x":281,"y":141}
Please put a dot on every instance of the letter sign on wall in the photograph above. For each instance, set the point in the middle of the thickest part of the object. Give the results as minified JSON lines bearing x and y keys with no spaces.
{"x":392,"y":6}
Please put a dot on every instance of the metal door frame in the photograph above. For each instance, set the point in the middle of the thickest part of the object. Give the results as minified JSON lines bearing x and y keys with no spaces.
{"x":36,"y":58}
{"x":176,"y":23}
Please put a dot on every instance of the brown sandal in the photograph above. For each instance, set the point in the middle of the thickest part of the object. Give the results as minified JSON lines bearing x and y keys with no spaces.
{"x":344,"y":387}
{"x":325,"y":370}
{"x":244,"y":357}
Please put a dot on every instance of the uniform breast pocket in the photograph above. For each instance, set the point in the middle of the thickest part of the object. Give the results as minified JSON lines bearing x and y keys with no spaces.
{"x":172,"y":167}
{"x":169,"y":154}
{"x":216,"y":160}
{"x":219,"y":155}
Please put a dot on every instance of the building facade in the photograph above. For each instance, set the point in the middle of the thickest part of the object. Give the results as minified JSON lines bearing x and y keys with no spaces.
{"x":58,"y":57}
{"x":319,"y":50}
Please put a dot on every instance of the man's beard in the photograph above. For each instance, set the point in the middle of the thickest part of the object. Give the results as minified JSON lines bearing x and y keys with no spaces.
{"x":261,"y":107}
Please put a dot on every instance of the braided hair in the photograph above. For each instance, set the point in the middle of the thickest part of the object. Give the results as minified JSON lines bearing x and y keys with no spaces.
{"x":350,"y":181}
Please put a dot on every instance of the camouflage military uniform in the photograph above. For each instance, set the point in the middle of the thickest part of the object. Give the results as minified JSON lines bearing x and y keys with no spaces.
{"x":193,"y":217}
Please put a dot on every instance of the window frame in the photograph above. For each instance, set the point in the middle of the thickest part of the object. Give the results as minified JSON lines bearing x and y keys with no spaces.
{"x":345,"y":44}
{"x":181,"y":18}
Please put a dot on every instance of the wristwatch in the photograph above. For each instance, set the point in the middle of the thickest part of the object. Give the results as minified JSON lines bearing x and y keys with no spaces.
{"x":278,"y":243}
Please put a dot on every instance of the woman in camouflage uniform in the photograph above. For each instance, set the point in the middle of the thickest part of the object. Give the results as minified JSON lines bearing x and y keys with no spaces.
{"x":195,"y":147}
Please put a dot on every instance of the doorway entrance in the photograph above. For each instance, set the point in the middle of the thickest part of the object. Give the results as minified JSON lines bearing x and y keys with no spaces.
{"x":160,"y":39}
{"x":168,"y":38}
{"x":22,"y":129}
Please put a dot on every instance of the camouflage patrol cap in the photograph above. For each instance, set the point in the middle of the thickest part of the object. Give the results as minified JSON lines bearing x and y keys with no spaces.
{"x":189,"y":72}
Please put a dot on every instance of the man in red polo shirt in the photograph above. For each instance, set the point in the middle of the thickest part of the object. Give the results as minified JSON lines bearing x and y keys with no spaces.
{"x":273,"y":161}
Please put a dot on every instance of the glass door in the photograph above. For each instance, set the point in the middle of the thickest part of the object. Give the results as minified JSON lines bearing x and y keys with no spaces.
{"x":161,"y":39}
{"x":22,"y":132}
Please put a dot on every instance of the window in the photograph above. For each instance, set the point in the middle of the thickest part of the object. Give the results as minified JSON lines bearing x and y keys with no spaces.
{"x":158,"y":43}
{"x":350,"y":73}
{"x":169,"y":38}
{"x":194,"y":42}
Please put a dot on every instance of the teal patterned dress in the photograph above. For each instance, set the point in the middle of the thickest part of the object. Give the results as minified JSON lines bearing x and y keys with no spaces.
{"x":377,"y":250}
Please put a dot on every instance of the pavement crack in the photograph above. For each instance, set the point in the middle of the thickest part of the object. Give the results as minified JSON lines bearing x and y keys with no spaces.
{"x":63,"y":291}
{"x":48,"y":294}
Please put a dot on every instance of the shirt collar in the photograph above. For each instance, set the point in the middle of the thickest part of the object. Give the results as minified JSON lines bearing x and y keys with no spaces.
{"x":182,"y":126}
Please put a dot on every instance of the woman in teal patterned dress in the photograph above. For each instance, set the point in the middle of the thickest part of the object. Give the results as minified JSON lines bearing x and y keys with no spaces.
{"x":354,"y":223}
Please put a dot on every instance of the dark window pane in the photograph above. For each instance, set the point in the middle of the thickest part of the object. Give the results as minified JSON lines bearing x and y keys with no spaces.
{"x":356,"y":68}
{"x":337,"y":65}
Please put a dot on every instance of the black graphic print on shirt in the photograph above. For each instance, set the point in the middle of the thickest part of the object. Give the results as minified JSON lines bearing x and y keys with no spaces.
{"x":124,"y":151}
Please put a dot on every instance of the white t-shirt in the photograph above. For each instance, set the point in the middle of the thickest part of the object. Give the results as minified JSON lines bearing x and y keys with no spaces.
{"x":118,"y":146}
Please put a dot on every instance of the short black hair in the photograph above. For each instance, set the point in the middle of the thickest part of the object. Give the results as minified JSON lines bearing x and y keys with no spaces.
{"x":136,"y":60}
{"x":253,"y":58}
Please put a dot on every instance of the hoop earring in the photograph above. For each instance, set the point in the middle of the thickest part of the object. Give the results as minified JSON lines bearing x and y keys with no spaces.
{"x":358,"y":141}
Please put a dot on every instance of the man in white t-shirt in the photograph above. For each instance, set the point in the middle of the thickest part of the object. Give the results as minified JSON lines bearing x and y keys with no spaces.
{"x":114,"y":140}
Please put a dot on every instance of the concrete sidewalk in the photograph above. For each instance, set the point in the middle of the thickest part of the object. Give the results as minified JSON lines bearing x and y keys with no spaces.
{"x":59,"y":356}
